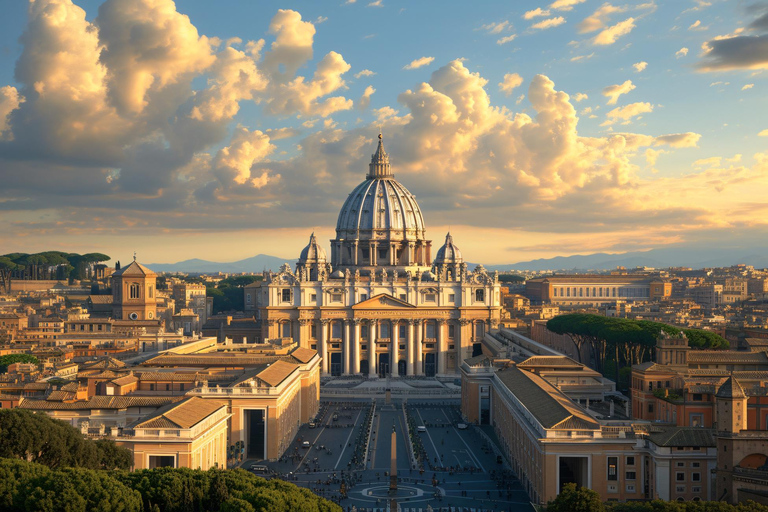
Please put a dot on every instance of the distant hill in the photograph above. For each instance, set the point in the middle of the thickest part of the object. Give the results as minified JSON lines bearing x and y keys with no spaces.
{"x":694,"y":257}
{"x":257,"y":263}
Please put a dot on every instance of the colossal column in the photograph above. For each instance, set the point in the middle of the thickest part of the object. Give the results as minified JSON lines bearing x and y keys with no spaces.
{"x":441,"y":347}
{"x":395,"y":342}
{"x":324,"y":343}
{"x":419,"y":333}
{"x":356,"y":343}
{"x":347,"y":346}
{"x":372,"y":348}
{"x":409,"y":348}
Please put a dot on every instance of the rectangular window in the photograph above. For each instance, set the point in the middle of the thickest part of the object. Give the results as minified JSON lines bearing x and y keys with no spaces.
{"x":613,"y":468}
{"x":695,"y":464}
{"x":451,"y":347}
{"x":402,"y":297}
{"x":313,"y":297}
{"x":681,"y":464}
{"x":403,"y":332}
{"x":630,"y":461}
{"x":363,"y":331}
{"x":680,"y":476}
{"x":402,"y":347}
{"x":650,"y":407}
{"x":631,"y":475}
{"x":363,"y":347}
{"x":429,"y":297}
{"x":451,"y":297}
{"x":480,"y":295}
{"x":695,"y":477}
{"x":248,"y":298}
{"x":285,"y":295}
{"x":335,"y":297}
{"x":313,"y":331}
{"x":680,"y":489}
{"x":696,"y":489}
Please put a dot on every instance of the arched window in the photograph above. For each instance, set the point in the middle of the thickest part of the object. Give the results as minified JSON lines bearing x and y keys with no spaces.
{"x":285,"y":327}
{"x":134,"y":291}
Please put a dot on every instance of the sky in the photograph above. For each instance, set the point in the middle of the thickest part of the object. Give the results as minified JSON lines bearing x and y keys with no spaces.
{"x":221,"y":130}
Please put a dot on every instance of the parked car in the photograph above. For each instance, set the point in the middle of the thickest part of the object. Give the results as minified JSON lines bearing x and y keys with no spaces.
{"x":462,"y":426}
{"x":312,"y":424}
{"x":258,"y":468}
{"x":305,"y":444}
{"x":421,"y":429}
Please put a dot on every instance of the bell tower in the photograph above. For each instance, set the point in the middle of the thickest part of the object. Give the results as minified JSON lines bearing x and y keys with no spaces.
{"x":134,"y":295}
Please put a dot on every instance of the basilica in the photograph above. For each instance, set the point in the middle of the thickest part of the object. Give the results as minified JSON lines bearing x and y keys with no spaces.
{"x":382,"y":306}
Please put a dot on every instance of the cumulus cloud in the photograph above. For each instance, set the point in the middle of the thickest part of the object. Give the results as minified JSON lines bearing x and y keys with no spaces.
{"x":537,"y":12}
{"x":682,"y":52}
{"x":640,"y":66}
{"x":9,"y":101}
{"x":292,"y":46}
{"x":747,"y":86}
{"x":497,"y":27}
{"x":510,"y":82}
{"x":548,"y":23}
{"x":627,"y":112}
{"x":696,"y":25}
{"x":506,"y":39}
{"x":565,"y":5}
{"x":614,"y":91}
{"x":580,"y":96}
{"x":234,"y":162}
{"x":365,"y":99}
{"x":611,"y":34}
{"x":365,"y":72}
{"x":598,"y":19}
{"x":678,"y":140}
{"x":418,"y":63}
{"x":763,"y":133}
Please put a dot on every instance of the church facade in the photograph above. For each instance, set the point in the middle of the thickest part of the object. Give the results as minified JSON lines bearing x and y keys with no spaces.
{"x":382,"y":306}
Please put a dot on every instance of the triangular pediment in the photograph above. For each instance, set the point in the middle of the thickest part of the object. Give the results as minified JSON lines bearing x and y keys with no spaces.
{"x":383,"y":301}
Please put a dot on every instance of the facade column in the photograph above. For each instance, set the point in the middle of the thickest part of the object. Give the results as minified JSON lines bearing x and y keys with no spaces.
{"x":347,"y":346}
{"x":372,"y":325}
{"x":410,"y":253}
{"x":441,"y":347}
{"x":324,"y":344}
{"x":419,"y":370}
{"x":356,"y":343}
{"x":464,"y":346}
{"x":409,"y":349}
{"x":394,"y":340}
{"x":372,"y":253}
{"x":354,"y":255}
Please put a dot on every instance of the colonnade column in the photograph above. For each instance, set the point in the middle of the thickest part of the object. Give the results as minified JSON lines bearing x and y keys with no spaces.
{"x":356,"y":343}
{"x":324,"y":322}
{"x":394,"y":340}
{"x":441,"y":348}
{"x":463,"y":340}
{"x":372,"y":325}
{"x":347,"y":345}
{"x":409,"y":349}
{"x":419,"y":370}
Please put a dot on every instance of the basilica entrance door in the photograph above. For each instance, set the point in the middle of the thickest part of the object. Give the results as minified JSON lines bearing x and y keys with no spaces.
{"x":364,"y":367}
{"x":336,"y":364}
{"x":430,"y":366}
{"x":383,"y":365}
{"x":401,"y":368}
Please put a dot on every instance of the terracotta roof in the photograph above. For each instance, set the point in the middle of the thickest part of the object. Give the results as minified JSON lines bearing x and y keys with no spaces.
{"x":684,"y":436}
{"x":100,"y":402}
{"x":185,"y":414}
{"x":731,"y":389}
{"x":124,"y":381}
{"x":215,"y":359}
{"x":550,"y":361}
{"x":134,"y":269}
{"x":71,"y":386}
{"x":184,"y":377}
{"x":100,"y":299}
{"x":726,"y":356}
{"x":304,"y":355}
{"x":60,"y":396}
{"x":9,"y":397}
{"x":551,"y":407}
{"x":277,"y":372}
{"x":105,"y":362}
{"x":478,"y":360}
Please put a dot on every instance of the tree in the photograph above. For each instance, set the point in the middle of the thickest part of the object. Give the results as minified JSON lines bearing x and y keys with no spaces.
{"x":576,"y":499}
{"x":7,"y":266}
{"x":6,"y":361}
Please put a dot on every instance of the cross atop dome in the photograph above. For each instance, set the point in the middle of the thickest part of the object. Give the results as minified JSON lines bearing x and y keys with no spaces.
{"x":379,"y":166}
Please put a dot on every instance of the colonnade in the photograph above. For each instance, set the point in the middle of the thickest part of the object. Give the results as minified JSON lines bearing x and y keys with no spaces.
{"x":357,"y":348}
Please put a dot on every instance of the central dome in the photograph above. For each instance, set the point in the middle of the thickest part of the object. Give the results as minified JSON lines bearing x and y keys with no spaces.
{"x":380,"y":223}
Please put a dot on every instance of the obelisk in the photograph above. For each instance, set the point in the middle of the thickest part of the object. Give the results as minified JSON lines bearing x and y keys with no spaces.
{"x":393,"y":462}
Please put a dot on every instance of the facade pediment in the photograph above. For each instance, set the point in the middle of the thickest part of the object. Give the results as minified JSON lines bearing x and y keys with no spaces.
{"x":383,"y":301}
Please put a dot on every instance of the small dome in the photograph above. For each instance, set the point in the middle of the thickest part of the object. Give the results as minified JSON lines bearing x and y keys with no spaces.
{"x":448,"y":253}
{"x":313,"y":253}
